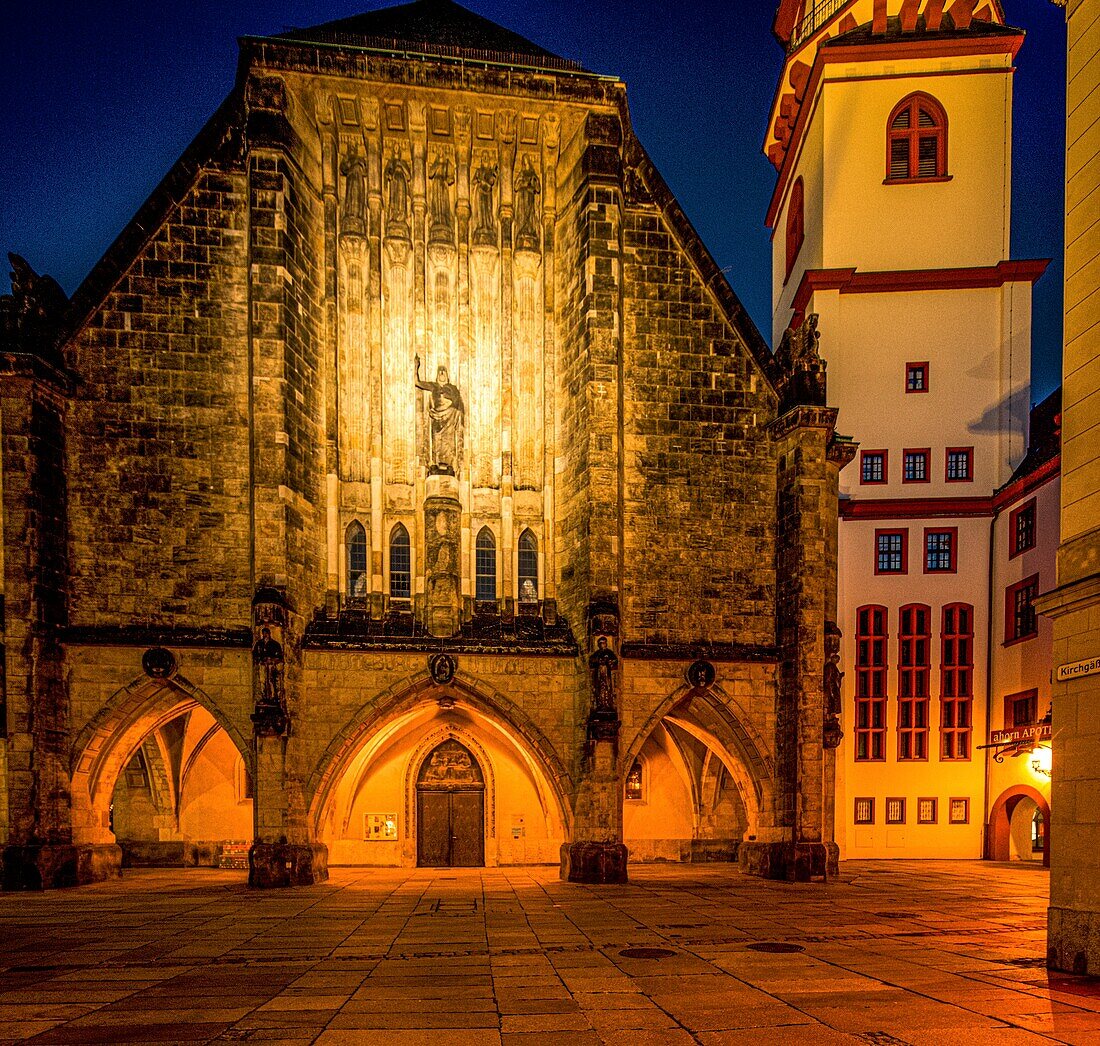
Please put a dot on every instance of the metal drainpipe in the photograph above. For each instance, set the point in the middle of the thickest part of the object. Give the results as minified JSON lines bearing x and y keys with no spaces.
{"x":988,"y":673}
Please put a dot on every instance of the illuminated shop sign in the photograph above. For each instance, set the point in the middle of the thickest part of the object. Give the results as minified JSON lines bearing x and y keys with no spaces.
{"x":1027,"y":734}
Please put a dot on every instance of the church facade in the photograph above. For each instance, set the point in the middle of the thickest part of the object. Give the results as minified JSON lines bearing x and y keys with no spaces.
{"x":406,"y":485}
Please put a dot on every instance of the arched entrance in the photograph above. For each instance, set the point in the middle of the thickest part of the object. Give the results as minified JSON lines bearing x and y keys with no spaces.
{"x":1019,"y":826}
{"x":450,"y":809}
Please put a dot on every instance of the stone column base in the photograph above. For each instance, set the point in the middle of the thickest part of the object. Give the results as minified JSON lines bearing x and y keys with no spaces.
{"x":48,"y":866}
{"x":593,"y":862}
{"x":778,"y":861}
{"x":1073,"y":940}
{"x":287,"y":864}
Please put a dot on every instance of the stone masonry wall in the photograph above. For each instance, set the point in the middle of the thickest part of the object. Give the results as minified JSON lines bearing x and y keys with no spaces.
{"x":157,"y":429}
{"x":699,"y":496}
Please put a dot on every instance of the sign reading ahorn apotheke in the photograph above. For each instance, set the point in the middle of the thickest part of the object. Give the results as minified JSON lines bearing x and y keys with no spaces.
{"x":1077,"y":669}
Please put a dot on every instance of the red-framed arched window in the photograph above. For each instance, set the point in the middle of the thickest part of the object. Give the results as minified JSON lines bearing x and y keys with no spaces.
{"x":914,"y":666}
{"x":870,"y":732}
{"x":956,"y":680}
{"x":796,"y":224}
{"x":916,"y":140}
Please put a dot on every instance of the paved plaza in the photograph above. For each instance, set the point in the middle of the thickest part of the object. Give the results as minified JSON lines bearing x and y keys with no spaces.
{"x":892,"y":953}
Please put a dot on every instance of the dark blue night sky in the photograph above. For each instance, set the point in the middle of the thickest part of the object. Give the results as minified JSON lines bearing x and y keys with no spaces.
{"x":102,"y":99}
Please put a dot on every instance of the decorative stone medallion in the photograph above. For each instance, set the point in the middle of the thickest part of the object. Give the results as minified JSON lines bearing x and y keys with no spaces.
{"x":442,"y":668}
{"x":158,"y":663}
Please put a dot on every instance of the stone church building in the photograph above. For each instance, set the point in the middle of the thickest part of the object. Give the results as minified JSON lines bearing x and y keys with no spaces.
{"x":406,"y":485}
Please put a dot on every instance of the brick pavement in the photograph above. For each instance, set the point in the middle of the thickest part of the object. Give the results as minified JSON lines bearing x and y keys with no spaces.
{"x":892,"y":953}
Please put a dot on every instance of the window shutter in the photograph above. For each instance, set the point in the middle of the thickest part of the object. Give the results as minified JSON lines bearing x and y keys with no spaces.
{"x":927,"y":156}
{"x":899,"y":158}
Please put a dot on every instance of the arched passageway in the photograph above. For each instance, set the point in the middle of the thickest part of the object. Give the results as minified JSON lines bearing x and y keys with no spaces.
{"x":164,"y":775}
{"x":442,"y":780}
{"x":1019,"y":826}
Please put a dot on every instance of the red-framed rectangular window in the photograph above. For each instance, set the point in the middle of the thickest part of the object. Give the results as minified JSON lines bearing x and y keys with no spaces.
{"x":863,"y":810}
{"x":916,"y":377}
{"x":870,"y":732}
{"x":914,"y":466}
{"x":956,"y":680}
{"x":873,"y":466}
{"x":1021,"y":621}
{"x":959,"y":464}
{"x":1021,"y":709}
{"x":891,"y":551}
{"x":895,"y":810}
{"x":914,"y":669}
{"x":927,"y":810}
{"x":941,"y":547}
{"x":958,"y":810}
{"x":1021,"y":529}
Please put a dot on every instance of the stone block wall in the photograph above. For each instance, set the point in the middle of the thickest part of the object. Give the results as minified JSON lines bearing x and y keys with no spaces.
{"x":157,"y":429}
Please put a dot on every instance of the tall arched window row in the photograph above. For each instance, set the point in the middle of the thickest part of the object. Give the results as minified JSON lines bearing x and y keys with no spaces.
{"x":485,"y":566}
{"x":914,"y":666}
{"x":400,"y":564}
{"x":916,"y":140}
{"x":870,"y":732}
{"x":528,"y":572}
{"x":796,"y":224}
{"x":957,"y":680}
{"x":355,"y":540}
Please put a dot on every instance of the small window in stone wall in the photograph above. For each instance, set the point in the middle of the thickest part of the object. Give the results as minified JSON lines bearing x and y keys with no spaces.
{"x":528,"y":567}
{"x":137,"y":776}
{"x":356,"y":543}
{"x":243,"y":777}
{"x":485,"y":566}
{"x":634,"y":782}
{"x":400,"y":564}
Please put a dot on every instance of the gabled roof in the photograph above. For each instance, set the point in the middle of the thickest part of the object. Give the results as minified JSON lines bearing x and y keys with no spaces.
{"x":439,"y":27}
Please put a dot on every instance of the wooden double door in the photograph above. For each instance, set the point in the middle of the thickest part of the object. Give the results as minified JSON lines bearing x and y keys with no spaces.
{"x":450,"y":809}
{"x":450,"y":829}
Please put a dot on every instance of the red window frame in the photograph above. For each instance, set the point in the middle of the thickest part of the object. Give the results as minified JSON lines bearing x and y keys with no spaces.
{"x":895,"y":809}
{"x":1027,"y":510}
{"x":885,"y":455}
{"x":1014,"y":612}
{"x":904,"y":534}
{"x":910,"y":369}
{"x":871,"y":667}
{"x":935,"y":810}
{"x":926,"y":454}
{"x":796,"y":225}
{"x":952,"y":533}
{"x":867,"y":803}
{"x":969,"y":477}
{"x":963,"y":817}
{"x":956,"y":681}
{"x":914,"y":674}
{"x":914,"y":135}
{"x":1013,"y":700}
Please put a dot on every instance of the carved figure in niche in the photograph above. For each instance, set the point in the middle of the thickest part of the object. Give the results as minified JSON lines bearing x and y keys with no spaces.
{"x":353,"y":218}
{"x":833,"y":677}
{"x":398,"y":176}
{"x":528,"y":186}
{"x":447,"y":418}
{"x":700,"y":674}
{"x":603,"y":664}
{"x":484,"y":179}
{"x":439,"y":199}
{"x":268,"y":654}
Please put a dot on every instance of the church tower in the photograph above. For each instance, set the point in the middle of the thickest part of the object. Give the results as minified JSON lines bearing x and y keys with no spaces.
{"x":890,"y":132}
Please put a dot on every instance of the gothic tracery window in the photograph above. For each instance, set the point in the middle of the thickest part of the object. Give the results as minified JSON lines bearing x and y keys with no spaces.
{"x":356,"y":543}
{"x":528,"y":573}
{"x":485,"y":566}
{"x":400,"y":564}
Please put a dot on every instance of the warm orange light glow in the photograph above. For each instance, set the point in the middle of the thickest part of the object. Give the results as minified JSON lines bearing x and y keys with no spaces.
{"x":1040,"y":760}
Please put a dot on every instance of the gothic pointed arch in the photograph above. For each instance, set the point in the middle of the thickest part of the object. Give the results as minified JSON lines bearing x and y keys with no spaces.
{"x":357,"y":574}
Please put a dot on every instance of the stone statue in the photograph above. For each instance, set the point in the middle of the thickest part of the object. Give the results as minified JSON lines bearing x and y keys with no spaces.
{"x":603,"y":664}
{"x":268,"y":655}
{"x":528,"y":186}
{"x":485,"y":178}
{"x":802,"y":381}
{"x":439,"y":200}
{"x":398,"y":176}
{"x":353,"y":218}
{"x":832,"y":678}
{"x":31,"y":314}
{"x":447,"y":417}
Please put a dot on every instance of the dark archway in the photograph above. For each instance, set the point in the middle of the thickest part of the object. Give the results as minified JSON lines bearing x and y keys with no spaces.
{"x":999,"y":839}
{"x":450,"y":809}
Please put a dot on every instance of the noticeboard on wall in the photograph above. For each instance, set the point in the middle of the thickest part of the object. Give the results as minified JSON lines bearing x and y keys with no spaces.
{"x":379,"y":828}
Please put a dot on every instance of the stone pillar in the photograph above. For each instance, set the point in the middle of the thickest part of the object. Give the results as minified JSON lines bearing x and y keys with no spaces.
{"x":34,"y":704}
{"x":806,"y":601}
{"x":442,"y":552}
{"x":597,"y":854}
{"x":281,"y":853}
{"x":1073,"y":926}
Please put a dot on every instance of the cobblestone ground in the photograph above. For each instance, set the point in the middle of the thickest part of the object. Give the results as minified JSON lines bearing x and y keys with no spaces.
{"x":892,"y":953}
